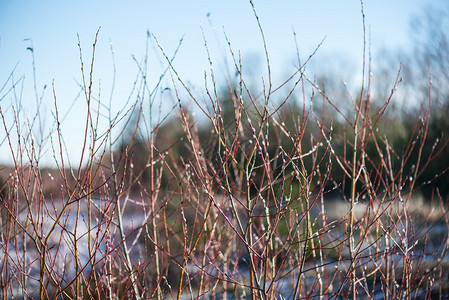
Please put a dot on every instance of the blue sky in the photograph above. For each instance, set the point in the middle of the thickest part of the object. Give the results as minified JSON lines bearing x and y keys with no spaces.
{"x":53,"y":27}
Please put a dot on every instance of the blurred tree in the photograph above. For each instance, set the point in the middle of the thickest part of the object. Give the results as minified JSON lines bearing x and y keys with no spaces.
{"x":429,"y":58}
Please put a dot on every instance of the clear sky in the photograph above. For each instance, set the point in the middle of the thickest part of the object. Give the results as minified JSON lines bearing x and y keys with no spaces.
{"x":53,"y":27}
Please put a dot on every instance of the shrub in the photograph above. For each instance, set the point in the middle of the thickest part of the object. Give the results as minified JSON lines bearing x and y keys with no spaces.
{"x":237,"y":207}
